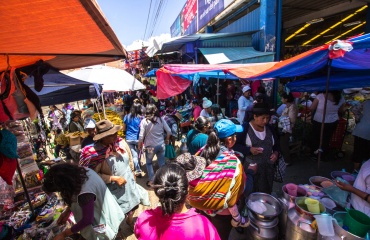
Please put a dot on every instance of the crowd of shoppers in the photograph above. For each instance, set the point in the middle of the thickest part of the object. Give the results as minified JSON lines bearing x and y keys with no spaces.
{"x":227,"y":158}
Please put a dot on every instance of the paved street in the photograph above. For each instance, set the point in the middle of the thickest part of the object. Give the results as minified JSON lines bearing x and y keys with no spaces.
{"x":301,"y":170}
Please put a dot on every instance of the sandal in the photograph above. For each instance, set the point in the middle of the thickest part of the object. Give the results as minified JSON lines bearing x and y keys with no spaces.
{"x":244,"y":222}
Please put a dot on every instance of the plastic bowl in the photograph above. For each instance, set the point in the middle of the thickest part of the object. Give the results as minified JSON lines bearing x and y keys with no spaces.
{"x":349,"y":178}
{"x":317,"y":180}
{"x":336,"y":174}
{"x":328,"y":203}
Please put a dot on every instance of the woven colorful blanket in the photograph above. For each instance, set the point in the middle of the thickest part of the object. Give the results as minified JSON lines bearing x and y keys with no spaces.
{"x":220,"y":186}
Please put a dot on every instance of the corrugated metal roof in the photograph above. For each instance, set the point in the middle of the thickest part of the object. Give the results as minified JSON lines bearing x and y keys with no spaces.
{"x":297,"y":8}
{"x":236,"y":55}
{"x":179,"y":42}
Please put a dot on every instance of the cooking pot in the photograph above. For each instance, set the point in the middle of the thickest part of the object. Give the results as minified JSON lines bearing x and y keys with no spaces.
{"x":301,"y":207}
{"x":299,"y":227}
{"x":264,"y":198}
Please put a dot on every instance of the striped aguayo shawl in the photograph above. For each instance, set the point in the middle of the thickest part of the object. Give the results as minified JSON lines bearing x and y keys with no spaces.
{"x":92,"y":156}
{"x":220,"y":186}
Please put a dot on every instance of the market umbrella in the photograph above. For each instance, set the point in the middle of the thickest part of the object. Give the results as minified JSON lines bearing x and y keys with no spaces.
{"x":113,"y":79}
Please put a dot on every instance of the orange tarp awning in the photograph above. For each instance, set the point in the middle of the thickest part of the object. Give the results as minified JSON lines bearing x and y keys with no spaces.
{"x":66,"y":34}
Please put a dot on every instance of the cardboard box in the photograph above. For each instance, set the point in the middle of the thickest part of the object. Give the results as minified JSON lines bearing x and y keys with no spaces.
{"x":75,"y":139}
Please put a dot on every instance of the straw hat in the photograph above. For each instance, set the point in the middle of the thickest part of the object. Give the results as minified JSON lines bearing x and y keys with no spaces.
{"x":105,"y":128}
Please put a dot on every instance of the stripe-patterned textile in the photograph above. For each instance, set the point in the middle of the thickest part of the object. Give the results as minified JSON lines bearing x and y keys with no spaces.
{"x":220,"y":186}
{"x":92,"y":156}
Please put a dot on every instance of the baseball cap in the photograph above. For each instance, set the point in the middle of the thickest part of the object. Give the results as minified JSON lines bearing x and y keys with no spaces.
{"x":246,"y":88}
{"x":225,"y":128}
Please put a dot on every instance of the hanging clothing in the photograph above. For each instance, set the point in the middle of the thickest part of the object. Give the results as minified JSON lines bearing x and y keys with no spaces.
{"x":7,"y":168}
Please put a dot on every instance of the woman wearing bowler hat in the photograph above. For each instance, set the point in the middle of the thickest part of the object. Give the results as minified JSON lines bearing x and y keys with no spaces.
{"x":110,"y":157}
{"x":259,"y":144}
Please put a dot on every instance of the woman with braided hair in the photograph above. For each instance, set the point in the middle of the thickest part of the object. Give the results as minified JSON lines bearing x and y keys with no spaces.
{"x":197,"y":137}
{"x":173,"y":220}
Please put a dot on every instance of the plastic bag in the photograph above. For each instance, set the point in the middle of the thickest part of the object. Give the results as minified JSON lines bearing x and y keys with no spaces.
{"x":338,"y":195}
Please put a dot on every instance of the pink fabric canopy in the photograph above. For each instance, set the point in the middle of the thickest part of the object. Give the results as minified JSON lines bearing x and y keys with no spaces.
{"x":170,"y":82}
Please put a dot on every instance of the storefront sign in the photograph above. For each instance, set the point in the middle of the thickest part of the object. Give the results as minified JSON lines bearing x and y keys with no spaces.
{"x":189,"y":12}
{"x":176,"y":27}
{"x":207,"y":10}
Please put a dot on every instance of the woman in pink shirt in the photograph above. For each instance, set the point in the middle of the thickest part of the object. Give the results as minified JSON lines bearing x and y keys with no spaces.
{"x":173,"y":220}
{"x":196,"y":109}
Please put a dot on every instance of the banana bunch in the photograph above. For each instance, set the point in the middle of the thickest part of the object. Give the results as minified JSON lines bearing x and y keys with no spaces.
{"x":111,"y":116}
{"x":75,"y":134}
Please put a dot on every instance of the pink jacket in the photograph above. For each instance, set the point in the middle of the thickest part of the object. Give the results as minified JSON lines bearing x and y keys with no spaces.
{"x":152,"y":225}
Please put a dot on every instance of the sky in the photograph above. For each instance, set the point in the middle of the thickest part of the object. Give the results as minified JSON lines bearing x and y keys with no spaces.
{"x":128,"y":19}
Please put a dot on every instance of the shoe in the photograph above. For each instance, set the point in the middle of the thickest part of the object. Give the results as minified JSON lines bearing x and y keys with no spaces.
{"x":244,"y":222}
{"x":138,"y":174}
{"x":313,"y":158}
{"x":288,"y":164}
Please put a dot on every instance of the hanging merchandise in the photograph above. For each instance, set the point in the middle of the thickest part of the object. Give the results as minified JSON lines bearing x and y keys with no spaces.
{"x":7,"y":168}
{"x":14,"y":104}
{"x":8,"y":144}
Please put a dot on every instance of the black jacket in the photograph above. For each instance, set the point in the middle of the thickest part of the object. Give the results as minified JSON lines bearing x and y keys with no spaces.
{"x":241,"y":146}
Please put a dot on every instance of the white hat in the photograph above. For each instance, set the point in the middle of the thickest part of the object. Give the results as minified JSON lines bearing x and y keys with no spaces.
{"x":91,"y":124}
{"x":313,"y":95}
{"x":206,"y":103}
{"x":246,"y":88}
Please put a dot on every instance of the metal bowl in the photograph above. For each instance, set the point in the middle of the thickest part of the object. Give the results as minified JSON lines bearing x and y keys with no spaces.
{"x":301,"y":207}
{"x":317,"y":180}
{"x":264,"y":198}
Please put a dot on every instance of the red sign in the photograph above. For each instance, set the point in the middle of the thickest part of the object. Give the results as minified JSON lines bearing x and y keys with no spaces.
{"x":189,"y":12}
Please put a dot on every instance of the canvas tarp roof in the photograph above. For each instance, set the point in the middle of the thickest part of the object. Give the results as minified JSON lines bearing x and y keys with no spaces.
{"x":66,"y":34}
{"x":60,"y":88}
{"x":173,"y":79}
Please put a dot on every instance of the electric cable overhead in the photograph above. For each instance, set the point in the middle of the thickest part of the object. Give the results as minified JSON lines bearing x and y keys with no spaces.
{"x":156,"y":17}
{"x":147,"y":19}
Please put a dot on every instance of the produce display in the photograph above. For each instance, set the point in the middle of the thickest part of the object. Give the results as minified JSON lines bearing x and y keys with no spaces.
{"x":111,"y":116}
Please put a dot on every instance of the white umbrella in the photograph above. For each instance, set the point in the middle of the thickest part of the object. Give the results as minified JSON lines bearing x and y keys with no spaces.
{"x":113,"y":79}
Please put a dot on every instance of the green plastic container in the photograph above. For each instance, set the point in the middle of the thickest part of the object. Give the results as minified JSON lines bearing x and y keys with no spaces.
{"x":357,"y":222}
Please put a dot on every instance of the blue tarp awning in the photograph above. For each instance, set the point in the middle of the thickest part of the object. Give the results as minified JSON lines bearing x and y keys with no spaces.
{"x":338,"y":81}
{"x":60,"y":88}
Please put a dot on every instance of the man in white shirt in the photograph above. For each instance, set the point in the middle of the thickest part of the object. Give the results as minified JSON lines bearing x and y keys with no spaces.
{"x":243,"y":102}
{"x":206,"y":112}
{"x":360,"y":197}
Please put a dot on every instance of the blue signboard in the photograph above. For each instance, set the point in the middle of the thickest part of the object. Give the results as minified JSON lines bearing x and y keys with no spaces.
{"x":207,"y":10}
{"x":176,"y":27}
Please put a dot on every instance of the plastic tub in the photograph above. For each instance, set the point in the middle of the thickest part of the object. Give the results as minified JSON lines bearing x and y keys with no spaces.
{"x":357,"y":222}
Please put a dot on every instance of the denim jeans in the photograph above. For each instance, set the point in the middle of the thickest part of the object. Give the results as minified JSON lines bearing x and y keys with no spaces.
{"x":134,"y":152}
{"x":149,"y":155}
